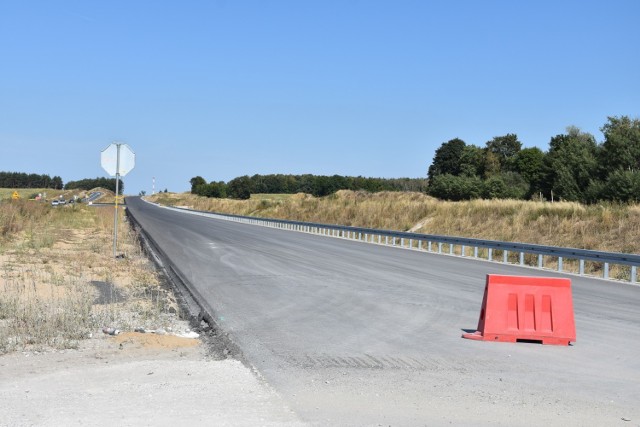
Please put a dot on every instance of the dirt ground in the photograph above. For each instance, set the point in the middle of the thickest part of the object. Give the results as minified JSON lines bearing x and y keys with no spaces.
{"x":135,"y":379}
{"x":128,"y":379}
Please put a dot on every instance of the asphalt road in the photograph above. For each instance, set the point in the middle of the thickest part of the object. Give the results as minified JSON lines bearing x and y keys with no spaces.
{"x":360,"y":334}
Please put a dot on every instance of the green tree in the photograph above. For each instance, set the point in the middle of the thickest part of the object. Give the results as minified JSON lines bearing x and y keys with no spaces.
{"x":239,"y":188}
{"x":214,"y":189}
{"x":447,"y":158}
{"x":621,"y":147}
{"x":195,"y":182}
{"x":491,"y":164}
{"x":505,"y":148}
{"x":529,"y":163}
{"x":622,"y":186}
{"x":472,"y":161}
{"x":56,"y":182}
{"x":570,"y":165}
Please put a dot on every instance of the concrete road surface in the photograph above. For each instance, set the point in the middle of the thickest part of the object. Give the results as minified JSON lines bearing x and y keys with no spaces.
{"x":359,"y":334}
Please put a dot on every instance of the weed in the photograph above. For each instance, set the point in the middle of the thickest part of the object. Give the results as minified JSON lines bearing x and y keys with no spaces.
{"x":49,"y":259}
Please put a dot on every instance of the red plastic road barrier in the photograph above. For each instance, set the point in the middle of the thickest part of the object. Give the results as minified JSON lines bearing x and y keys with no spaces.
{"x":519,"y":308}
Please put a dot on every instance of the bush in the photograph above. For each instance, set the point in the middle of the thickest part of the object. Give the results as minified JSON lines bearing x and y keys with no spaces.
{"x":508,"y":185}
{"x":455,"y":188}
{"x":622,"y":186}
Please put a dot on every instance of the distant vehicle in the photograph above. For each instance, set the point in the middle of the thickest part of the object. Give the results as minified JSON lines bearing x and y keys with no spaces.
{"x":54,"y":203}
{"x":71,"y":201}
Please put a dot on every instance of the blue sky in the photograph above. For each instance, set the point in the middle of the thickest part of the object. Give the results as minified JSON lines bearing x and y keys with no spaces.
{"x":227,"y":88}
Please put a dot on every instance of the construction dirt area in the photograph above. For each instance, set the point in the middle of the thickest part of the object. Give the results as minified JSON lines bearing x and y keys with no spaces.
{"x":92,"y":341}
{"x":135,"y":379}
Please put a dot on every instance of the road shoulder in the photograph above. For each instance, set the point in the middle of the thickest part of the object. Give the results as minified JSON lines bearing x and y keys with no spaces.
{"x":135,"y":379}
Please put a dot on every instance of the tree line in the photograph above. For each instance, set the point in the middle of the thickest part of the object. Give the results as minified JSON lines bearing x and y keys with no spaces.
{"x":574,"y":168}
{"x":32,"y":180}
{"x":317,"y":185}
{"x":91,"y":183}
{"x":29,"y":180}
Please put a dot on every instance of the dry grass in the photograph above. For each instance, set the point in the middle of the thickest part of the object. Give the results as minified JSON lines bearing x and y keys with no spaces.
{"x":51,"y":261}
{"x":606,"y":227}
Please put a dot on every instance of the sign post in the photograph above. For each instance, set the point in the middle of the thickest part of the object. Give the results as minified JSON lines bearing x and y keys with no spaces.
{"x":117,"y":160}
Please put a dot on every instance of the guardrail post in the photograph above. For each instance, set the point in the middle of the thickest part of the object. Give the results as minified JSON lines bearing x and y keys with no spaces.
{"x":411,"y":243}
{"x":539,"y":260}
{"x":475,"y":252}
{"x":402,"y":242}
{"x":521,"y":258}
{"x":429,"y":246}
{"x":419,"y":245}
{"x":633,"y":274}
{"x":386,"y":240}
{"x":462,"y":250}
{"x":451,"y":247}
{"x":581,"y":267}
{"x":439,"y":247}
{"x":559,"y":263}
{"x":606,"y":270}
{"x":505,"y":256}
{"x":490,"y":255}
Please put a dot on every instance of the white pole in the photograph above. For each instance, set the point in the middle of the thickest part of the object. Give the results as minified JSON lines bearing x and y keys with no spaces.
{"x":115,"y":214}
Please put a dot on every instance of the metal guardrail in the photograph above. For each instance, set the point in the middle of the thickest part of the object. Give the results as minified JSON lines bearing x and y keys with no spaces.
{"x":435,"y":243}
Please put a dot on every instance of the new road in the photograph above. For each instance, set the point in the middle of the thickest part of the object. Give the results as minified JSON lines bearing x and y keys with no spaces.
{"x":351,"y":333}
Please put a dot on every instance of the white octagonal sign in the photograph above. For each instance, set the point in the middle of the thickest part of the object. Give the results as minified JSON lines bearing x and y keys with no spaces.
{"x":109,"y":159}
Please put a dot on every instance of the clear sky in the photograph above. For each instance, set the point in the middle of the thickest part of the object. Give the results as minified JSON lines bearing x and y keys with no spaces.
{"x":351,"y":87}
